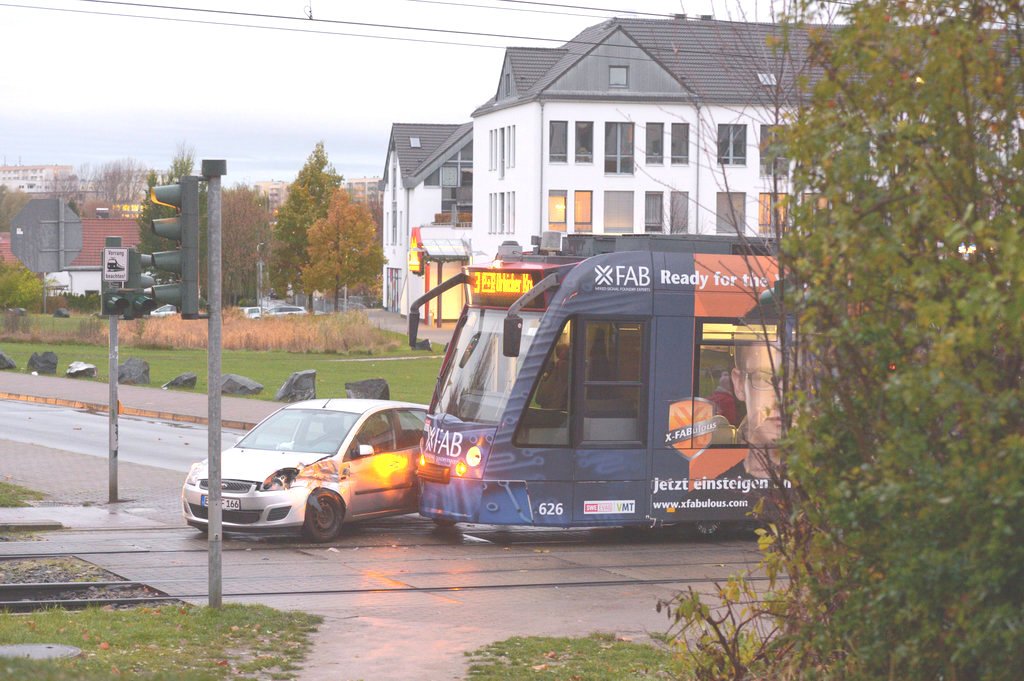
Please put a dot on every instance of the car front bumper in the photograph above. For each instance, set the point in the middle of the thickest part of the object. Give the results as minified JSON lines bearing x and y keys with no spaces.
{"x":257,"y":511}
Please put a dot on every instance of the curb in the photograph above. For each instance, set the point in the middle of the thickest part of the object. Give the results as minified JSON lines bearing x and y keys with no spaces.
{"x":127,"y":411}
{"x":31,"y":526}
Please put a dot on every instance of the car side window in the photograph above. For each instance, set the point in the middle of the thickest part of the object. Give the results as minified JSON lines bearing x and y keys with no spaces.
{"x":378,"y":433}
{"x":410,"y":428}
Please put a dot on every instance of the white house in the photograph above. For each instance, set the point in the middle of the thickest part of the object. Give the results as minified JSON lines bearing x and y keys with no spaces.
{"x":634,"y":126}
{"x":428,"y":184}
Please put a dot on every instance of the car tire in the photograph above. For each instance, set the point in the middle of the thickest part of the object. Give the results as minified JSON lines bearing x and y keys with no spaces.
{"x":444,"y":522}
{"x":324,"y":516}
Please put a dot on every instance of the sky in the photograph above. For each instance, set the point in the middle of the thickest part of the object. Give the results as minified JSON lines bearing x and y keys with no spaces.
{"x":259,"y":82}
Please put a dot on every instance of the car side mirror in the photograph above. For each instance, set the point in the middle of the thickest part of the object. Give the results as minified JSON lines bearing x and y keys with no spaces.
{"x":363,"y":450}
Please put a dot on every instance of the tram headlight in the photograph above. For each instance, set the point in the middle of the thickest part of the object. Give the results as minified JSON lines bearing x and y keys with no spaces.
{"x":474,"y":456}
{"x":460,"y":468}
{"x":423,"y":460}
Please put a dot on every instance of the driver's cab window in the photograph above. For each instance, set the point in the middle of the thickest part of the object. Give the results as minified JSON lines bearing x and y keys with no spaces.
{"x":377,"y":432}
{"x":546,"y":421}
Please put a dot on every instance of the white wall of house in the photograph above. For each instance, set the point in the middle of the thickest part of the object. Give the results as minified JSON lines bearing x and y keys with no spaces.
{"x":76,"y":282}
{"x":416,"y":207}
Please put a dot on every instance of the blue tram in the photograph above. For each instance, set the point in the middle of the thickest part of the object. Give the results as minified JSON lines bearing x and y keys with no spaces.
{"x":628,"y":387}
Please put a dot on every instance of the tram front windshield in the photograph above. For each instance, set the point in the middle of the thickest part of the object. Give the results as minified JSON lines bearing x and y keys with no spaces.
{"x":479,"y":378}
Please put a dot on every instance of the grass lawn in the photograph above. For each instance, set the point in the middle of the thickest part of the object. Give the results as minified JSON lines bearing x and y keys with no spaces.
{"x":598,"y":657}
{"x":180,"y":642}
{"x":12,"y":496}
{"x":410,"y":376}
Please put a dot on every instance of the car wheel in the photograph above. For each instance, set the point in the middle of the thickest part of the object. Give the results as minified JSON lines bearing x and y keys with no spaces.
{"x":444,"y":522}
{"x":324,"y":515}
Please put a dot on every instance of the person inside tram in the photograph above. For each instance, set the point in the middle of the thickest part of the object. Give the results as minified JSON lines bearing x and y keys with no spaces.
{"x":724,"y":399}
{"x":553,"y":391}
{"x":754,"y":382}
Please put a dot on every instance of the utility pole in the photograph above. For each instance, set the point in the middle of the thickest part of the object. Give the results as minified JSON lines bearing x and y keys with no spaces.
{"x":212,"y":171}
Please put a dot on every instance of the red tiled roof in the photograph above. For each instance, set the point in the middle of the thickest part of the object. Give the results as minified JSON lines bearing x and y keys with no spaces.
{"x":94,"y":234}
{"x":6,"y":256}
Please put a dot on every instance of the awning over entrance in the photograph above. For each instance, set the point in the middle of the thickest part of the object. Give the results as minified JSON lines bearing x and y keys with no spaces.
{"x":445,"y":250}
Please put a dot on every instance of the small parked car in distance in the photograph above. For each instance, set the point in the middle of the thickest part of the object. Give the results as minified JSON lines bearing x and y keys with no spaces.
{"x":282,"y":310}
{"x":252,"y":312}
{"x":314,"y":465}
{"x":164,"y":311}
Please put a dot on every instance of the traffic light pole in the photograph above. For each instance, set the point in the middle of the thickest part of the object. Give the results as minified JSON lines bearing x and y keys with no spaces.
{"x":212,"y":171}
{"x":112,"y":373}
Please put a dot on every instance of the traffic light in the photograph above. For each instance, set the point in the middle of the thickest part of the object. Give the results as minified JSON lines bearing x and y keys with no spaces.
{"x":137,"y":289}
{"x":183,"y":228}
{"x":115,"y":301}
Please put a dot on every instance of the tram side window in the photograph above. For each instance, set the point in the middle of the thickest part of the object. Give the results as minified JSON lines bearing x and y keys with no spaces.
{"x":613,"y":386}
{"x":715,"y":385}
{"x":546,"y":421}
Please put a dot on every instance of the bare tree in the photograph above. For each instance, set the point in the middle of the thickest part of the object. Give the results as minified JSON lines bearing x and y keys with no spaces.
{"x":120,"y":181}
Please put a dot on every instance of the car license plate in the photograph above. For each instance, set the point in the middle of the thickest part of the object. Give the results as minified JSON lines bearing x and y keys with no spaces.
{"x":225,"y":503}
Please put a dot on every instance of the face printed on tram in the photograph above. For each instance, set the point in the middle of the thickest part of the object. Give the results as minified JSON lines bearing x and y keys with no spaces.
{"x":754,"y":383}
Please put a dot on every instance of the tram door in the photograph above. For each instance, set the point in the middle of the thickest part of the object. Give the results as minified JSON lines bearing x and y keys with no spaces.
{"x":610,"y":420}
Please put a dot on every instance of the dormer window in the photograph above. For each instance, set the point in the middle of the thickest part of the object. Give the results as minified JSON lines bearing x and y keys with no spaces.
{"x":414,"y":142}
{"x":618,"y":76}
{"x":508,"y":84}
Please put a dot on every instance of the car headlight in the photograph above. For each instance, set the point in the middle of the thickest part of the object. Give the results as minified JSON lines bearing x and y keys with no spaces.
{"x":279,"y":480}
{"x":195,"y":473}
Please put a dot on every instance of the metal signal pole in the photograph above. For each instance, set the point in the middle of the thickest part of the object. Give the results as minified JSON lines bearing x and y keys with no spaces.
{"x":212,"y":171}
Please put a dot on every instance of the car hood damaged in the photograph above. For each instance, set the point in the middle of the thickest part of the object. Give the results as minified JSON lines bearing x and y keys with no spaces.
{"x":257,"y":465}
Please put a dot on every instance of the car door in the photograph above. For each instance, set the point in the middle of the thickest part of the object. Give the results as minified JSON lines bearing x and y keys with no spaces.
{"x":379,"y":480}
{"x":408,"y":433}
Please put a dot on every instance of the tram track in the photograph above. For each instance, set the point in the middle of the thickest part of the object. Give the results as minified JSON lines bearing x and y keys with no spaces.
{"x":30,"y":604}
{"x":489,"y":561}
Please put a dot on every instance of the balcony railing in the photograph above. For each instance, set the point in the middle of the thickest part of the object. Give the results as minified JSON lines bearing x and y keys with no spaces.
{"x":463,"y":220}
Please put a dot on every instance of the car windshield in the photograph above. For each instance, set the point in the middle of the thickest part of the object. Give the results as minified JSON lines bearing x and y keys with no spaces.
{"x":318,"y":431}
{"x":480,"y":378}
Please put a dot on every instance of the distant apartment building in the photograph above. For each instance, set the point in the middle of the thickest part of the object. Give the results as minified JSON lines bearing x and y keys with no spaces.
{"x":276,"y":192}
{"x":37,"y":179}
{"x":366,"y":190}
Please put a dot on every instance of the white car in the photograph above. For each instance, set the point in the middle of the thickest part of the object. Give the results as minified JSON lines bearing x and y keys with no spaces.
{"x":282,"y":310}
{"x":252,"y":312}
{"x":314,"y":465}
{"x":164,"y":311}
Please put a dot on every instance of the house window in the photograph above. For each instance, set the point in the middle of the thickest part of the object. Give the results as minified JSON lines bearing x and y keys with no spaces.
{"x":584,"y":141}
{"x":414,"y":142}
{"x":678,"y":217}
{"x":655,"y":147}
{"x":653,"y":211}
{"x":501,"y":153}
{"x":618,"y":212}
{"x":618,"y":148}
{"x":556,"y":209}
{"x":732,"y":145}
{"x":773,"y":161}
{"x":680,"y":143}
{"x":583,"y":211}
{"x":558,"y":142}
{"x":508,"y":84}
{"x":618,"y":76}
{"x":730,"y":216}
{"x":770,"y":207}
